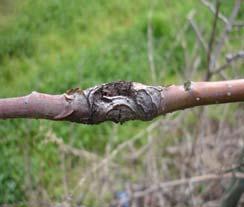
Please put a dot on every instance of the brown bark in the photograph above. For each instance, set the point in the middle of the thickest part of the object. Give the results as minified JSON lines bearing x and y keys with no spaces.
{"x":121,"y":101}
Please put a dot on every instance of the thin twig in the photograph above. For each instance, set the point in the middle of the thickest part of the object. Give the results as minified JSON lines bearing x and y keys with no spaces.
{"x":175,"y":43}
{"x":150,"y":46}
{"x":51,"y":137}
{"x":238,"y":24}
{"x":213,"y":10}
{"x":185,"y":181}
{"x":236,"y":189}
{"x":198,"y":34}
{"x":230,"y":59}
{"x":225,"y":33}
{"x":211,"y":42}
{"x":109,"y":157}
{"x":65,"y":177}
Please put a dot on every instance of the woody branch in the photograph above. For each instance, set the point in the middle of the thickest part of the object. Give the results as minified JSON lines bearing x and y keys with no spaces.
{"x":121,"y":101}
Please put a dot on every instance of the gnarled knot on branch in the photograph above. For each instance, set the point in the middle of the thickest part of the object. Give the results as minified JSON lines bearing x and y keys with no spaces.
{"x":118,"y":102}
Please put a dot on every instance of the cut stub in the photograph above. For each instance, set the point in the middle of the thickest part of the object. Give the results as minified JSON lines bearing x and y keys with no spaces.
{"x":118,"y":102}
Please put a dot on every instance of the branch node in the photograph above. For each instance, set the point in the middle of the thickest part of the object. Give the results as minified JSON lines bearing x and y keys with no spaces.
{"x":187,"y":85}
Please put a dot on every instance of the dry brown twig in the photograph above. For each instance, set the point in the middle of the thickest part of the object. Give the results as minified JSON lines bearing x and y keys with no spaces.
{"x":108,"y":158}
{"x":213,"y":10}
{"x":185,"y":181}
{"x":51,"y":137}
{"x":104,"y":162}
{"x":198,"y":33}
{"x":177,"y":41}
{"x":223,"y":37}
{"x":210,"y":58}
{"x":150,"y":45}
{"x":230,"y":58}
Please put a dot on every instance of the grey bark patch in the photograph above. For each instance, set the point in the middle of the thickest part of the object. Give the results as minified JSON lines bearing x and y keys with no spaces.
{"x":122,"y":101}
{"x":187,"y":85}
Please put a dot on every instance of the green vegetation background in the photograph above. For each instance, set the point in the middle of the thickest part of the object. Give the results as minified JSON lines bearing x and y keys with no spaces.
{"x":51,"y":46}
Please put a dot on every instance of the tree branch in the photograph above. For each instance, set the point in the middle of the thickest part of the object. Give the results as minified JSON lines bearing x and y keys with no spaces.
{"x":230,"y":58}
{"x":121,"y":101}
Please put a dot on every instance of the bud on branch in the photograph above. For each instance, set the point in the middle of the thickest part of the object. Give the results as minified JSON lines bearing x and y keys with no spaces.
{"x":121,"y":101}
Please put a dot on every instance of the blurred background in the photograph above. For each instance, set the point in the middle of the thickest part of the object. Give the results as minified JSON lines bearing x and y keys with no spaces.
{"x":187,"y":158}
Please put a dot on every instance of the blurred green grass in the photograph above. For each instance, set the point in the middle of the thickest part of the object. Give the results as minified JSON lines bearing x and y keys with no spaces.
{"x":51,"y":46}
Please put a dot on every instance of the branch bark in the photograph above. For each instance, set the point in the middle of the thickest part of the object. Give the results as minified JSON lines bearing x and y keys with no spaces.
{"x":121,"y":101}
